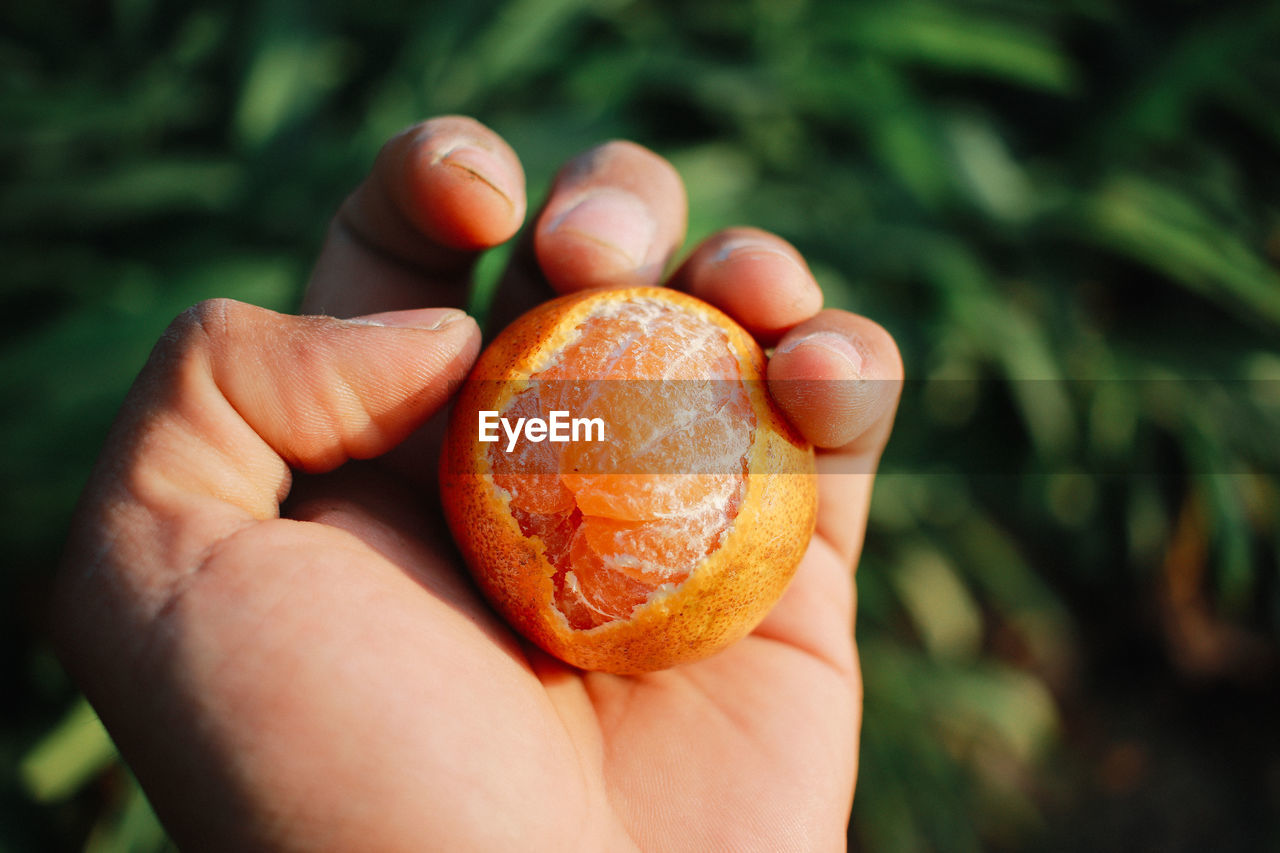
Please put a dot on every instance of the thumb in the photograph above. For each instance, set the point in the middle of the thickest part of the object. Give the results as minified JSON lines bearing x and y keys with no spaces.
{"x":234,"y":397}
{"x":317,"y":391}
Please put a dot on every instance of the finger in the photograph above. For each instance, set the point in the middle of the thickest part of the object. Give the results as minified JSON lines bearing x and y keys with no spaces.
{"x":615,"y":215}
{"x":438,"y":193}
{"x":838,"y":377}
{"x":817,"y":611}
{"x":756,"y":278}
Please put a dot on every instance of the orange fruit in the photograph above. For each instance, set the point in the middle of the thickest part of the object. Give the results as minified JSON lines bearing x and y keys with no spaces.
{"x":665,"y":534}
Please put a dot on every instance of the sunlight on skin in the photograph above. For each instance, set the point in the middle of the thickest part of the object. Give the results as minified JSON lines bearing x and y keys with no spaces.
{"x":257,"y":670}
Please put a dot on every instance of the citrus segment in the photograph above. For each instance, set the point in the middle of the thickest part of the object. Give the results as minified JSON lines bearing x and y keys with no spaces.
{"x":661,"y":413}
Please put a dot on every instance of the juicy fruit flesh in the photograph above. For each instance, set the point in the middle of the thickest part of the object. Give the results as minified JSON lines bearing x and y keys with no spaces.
{"x":632,"y":516}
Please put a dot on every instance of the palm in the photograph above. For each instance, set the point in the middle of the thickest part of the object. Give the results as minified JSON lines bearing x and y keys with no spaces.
{"x":661,"y":758}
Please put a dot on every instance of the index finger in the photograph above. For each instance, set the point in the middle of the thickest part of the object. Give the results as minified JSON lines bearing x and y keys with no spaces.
{"x":438,"y":194}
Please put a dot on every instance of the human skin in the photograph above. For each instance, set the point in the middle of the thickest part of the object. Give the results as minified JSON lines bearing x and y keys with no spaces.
{"x":261,"y":601}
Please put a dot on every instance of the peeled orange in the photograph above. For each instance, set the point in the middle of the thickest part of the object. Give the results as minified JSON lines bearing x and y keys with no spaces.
{"x":661,"y":507}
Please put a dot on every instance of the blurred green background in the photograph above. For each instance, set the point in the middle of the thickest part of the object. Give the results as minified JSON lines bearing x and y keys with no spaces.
{"x":1070,"y":600}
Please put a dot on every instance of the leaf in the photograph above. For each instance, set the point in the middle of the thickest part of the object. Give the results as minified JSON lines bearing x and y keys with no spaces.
{"x":1161,"y":227}
{"x":948,"y":38}
{"x":148,"y":187}
{"x":944,"y":613}
{"x":130,"y":828}
{"x":75,"y":751}
{"x":286,"y":80}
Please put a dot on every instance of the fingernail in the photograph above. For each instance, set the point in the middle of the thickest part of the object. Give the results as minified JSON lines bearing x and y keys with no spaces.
{"x":428,"y":319}
{"x":746,"y":247}
{"x":613,"y":218}
{"x":482,"y":164}
{"x":832,"y":342}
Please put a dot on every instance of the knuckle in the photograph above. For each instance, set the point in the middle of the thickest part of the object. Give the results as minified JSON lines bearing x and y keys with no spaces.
{"x":208,"y":319}
{"x":201,"y":332}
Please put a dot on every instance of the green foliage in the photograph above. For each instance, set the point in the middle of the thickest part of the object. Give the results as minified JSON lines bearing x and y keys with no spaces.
{"x":1067,"y":212}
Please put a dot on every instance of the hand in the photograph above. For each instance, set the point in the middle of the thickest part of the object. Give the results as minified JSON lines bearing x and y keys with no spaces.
{"x":289,"y":653}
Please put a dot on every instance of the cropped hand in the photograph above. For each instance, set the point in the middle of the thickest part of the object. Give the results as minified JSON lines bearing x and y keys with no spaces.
{"x":261,"y":601}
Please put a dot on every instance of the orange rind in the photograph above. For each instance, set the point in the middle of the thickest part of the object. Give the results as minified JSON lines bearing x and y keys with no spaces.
{"x":672,"y":536}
